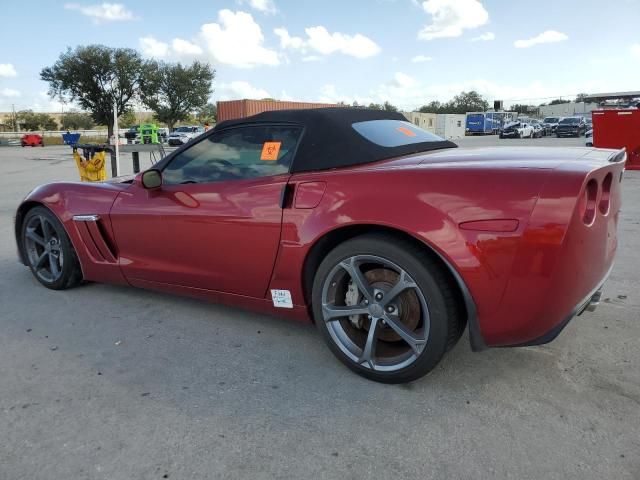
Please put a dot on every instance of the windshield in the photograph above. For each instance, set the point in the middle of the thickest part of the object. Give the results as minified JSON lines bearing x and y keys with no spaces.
{"x":393,"y":133}
{"x":183,"y":129}
{"x":551,"y":120}
{"x":570,"y":121}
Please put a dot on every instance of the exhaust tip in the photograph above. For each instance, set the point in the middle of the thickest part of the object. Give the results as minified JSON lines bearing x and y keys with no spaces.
{"x":594,"y":302}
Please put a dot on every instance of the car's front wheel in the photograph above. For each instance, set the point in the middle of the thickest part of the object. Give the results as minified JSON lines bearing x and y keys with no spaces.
{"x":385,"y":308}
{"x":48,"y":250}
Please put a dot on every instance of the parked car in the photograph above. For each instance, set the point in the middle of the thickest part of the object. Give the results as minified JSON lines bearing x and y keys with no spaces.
{"x":538,"y":129}
{"x":589,"y":138}
{"x":571,"y":127}
{"x":390,"y":239}
{"x":517,"y":130}
{"x":550,"y":124}
{"x":133,"y":134}
{"x":182,"y":135}
{"x":32,"y":140}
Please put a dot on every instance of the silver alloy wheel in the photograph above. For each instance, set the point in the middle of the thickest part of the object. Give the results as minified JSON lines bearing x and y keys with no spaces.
{"x":43,"y":248}
{"x":381,"y":305}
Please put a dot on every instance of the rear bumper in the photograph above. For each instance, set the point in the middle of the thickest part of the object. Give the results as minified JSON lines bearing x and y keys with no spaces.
{"x":588,"y":304}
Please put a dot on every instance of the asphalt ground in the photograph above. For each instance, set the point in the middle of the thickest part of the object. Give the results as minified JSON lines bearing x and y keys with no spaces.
{"x":104,"y":382}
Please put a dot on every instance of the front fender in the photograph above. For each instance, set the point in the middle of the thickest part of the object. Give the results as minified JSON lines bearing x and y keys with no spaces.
{"x":67,"y":199}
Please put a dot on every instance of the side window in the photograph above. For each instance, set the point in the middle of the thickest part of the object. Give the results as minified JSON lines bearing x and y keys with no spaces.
{"x":239,"y":153}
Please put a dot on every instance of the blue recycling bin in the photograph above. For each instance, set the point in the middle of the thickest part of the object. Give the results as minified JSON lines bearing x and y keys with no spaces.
{"x":71,"y":138}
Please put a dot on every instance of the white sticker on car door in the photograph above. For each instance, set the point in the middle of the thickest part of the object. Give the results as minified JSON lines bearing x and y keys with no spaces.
{"x":281,"y":298}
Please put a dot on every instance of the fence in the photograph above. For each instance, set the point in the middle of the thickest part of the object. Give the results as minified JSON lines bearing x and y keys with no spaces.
{"x":56,"y":133}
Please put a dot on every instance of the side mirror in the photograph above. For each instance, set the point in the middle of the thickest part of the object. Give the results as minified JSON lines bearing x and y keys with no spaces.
{"x":151,"y":179}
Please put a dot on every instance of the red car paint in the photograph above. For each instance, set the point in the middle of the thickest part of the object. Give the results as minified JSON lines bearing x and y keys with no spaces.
{"x":524,"y":254}
{"x":31,"y":140}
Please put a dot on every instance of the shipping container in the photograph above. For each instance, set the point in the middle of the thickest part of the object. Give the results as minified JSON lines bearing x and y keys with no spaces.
{"x":426,"y":121}
{"x":618,"y":129}
{"x":450,"y":125}
{"x":230,"y":110}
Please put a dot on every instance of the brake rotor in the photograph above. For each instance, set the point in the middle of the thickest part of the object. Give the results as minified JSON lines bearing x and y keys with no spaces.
{"x":407,"y":303}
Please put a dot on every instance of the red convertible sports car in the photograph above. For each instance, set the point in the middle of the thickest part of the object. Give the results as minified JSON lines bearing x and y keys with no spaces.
{"x":389,"y":238}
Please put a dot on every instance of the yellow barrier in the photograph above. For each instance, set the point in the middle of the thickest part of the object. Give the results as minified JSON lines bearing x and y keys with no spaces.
{"x":92,"y":170}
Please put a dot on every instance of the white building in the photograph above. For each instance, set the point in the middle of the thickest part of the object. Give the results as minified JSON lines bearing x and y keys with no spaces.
{"x":426,"y":121}
{"x":567,"y":109}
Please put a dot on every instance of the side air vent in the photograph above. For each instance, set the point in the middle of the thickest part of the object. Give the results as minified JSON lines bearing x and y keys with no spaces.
{"x":93,"y":237}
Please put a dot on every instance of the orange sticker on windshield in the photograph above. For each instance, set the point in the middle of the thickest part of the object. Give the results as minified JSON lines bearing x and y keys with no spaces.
{"x":406,"y":131}
{"x":270,"y":151}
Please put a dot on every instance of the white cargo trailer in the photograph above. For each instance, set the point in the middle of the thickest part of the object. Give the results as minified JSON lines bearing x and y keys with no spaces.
{"x":450,"y":125}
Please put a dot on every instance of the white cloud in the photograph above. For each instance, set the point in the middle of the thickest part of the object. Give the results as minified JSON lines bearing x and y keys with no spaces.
{"x":9,"y":93}
{"x":240,"y":89}
{"x":287,"y":41}
{"x":635,"y":50}
{"x":421,"y":59}
{"x":103,"y":12}
{"x":311,"y":58}
{"x":7,"y":70}
{"x":153,"y":48}
{"x":550,"y":36}
{"x":449,"y":18}
{"x":485,"y":37}
{"x":327,"y":43}
{"x":185,"y":48}
{"x":237,"y":40}
{"x":264,"y":6}
{"x":321,"y":41}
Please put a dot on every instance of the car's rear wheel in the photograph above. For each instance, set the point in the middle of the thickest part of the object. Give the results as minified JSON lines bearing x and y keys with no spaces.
{"x":385,"y":308}
{"x":48,"y":250}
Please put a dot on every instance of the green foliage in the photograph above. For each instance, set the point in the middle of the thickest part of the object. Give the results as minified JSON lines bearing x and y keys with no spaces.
{"x":127,"y":119}
{"x":75,"y":120}
{"x":462,"y":103}
{"x":94,"y":77}
{"x":207,"y":114}
{"x":175,"y":91}
{"x":386,"y":106}
{"x":32,"y":121}
{"x":559,"y":101}
{"x":522,"y":108}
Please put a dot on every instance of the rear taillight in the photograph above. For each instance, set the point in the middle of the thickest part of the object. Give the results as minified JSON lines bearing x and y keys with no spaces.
{"x":605,"y":198}
{"x":588,"y":202}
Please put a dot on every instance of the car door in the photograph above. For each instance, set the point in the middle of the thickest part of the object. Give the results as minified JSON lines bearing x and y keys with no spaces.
{"x":215,"y":221}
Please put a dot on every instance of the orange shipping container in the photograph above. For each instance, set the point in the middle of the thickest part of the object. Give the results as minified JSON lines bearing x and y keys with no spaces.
{"x":230,"y":110}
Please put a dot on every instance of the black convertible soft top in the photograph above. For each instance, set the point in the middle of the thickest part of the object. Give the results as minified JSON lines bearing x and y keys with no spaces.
{"x":330,"y":139}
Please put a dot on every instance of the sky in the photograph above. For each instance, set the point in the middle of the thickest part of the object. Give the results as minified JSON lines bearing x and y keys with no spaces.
{"x":408,"y":52}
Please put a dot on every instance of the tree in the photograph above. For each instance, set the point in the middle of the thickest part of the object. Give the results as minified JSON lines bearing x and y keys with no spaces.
{"x":207,"y":114}
{"x":468,"y":102}
{"x":558,"y":101}
{"x":386,"y":106}
{"x":31,"y":121}
{"x":95,"y":77}
{"x":127,"y":119}
{"x":75,"y":120}
{"x":521,"y":108}
{"x":174,"y":91}
{"x":581,"y":97}
{"x":432,"y":107}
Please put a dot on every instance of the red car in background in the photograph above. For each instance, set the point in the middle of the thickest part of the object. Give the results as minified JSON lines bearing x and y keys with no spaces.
{"x":32,"y":140}
{"x":389,"y":238}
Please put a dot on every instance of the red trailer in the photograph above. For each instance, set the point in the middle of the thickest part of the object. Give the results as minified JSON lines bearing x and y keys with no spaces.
{"x":233,"y":109}
{"x":617,"y":129}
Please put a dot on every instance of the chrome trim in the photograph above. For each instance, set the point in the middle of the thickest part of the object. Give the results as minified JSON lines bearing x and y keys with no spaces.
{"x":86,"y":218}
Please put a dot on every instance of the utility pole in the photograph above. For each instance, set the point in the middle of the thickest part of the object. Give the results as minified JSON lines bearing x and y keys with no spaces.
{"x":15,"y":120}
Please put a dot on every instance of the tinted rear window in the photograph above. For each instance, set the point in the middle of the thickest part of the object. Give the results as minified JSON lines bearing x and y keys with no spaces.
{"x":393,"y":133}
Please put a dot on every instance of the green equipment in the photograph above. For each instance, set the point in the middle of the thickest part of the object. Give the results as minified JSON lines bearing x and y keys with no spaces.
{"x":149,"y":133}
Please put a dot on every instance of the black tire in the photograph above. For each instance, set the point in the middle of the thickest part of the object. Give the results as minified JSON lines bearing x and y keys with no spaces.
{"x":34,"y":239}
{"x":429,"y":282}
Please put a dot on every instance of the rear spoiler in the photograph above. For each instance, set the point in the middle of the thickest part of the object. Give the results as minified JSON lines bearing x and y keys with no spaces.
{"x":619,"y":156}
